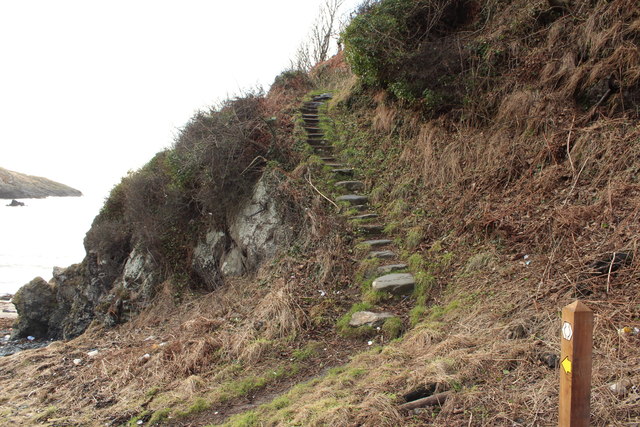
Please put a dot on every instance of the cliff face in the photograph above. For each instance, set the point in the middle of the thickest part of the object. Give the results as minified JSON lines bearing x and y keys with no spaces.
{"x":15,"y":185}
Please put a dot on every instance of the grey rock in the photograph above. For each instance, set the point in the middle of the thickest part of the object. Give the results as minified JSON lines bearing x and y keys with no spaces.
{"x":368,"y":318}
{"x":207,"y":256}
{"x":370,"y":228}
{"x":140,"y":273}
{"x":257,"y":230}
{"x":351,"y":185}
{"x":395,"y":283}
{"x":377,"y":243}
{"x":35,"y":303}
{"x":353,"y":199}
{"x":364,"y":216}
{"x":382,"y":254}
{"x":15,"y":203}
{"x":344,"y":172}
{"x":386,"y":269}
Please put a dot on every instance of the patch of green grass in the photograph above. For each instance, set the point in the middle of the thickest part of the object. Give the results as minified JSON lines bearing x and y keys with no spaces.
{"x":437,"y":312}
{"x":414,"y":237}
{"x":279,"y":402}
{"x":245,"y":419}
{"x":416,"y":263}
{"x":199,"y":405}
{"x":392,"y":327}
{"x":159,"y":416}
{"x":416,"y":313}
{"x":391,"y":227}
{"x":424,"y":284}
{"x":309,"y":350}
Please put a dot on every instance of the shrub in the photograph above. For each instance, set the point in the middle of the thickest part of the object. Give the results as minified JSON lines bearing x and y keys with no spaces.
{"x":389,"y":44}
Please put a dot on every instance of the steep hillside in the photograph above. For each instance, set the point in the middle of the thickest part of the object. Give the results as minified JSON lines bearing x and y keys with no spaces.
{"x":15,"y":185}
{"x":484,"y":153}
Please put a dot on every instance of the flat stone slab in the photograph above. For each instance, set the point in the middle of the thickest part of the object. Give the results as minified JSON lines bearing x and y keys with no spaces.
{"x":368,"y":318}
{"x":395,"y":283}
{"x":345,"y":172}
{"x":313,"y":129}
{"x":377,"y":243}
{"x":371,"y":228}
{"x":382,"y":254}
{"x":353,"y":199}
{"x":335,"y":165}
{"x":386,"y":269}
{"x":364,"y":216}
{"x":351,"y":185}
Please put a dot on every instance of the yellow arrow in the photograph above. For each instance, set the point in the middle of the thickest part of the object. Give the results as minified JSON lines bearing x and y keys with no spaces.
{"x":566,"y":365}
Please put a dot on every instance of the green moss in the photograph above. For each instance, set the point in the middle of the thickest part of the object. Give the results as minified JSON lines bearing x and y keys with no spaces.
{"x":392,"y":327}
{"x":414,"y":237}
{"x":199,"y":405}
{"x":246,"y":419}
{"x":159,"y":416}
{"x":309,"y":350}
{"x":416,"y":313}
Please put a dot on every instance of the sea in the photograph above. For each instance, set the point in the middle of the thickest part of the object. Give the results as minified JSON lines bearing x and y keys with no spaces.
{"x":43,"y":234}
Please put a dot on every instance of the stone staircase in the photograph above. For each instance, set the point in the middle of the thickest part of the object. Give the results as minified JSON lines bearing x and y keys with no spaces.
{"x":355,"y":197}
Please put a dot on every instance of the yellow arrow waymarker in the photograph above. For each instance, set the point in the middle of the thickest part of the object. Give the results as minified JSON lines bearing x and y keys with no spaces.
{"x":566,"y":365}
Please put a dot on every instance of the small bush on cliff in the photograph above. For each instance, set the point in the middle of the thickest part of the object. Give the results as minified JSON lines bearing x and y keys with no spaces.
{"x":382,"y":39}
{"x":200,"y":181}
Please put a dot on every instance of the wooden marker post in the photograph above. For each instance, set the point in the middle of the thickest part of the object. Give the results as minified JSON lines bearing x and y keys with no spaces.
{"x":575,"y":365}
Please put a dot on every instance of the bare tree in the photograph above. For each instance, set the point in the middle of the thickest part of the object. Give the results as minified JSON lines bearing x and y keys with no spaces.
{"x":316,"y":47}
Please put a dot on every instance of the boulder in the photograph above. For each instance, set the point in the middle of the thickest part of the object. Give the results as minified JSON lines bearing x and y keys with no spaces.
{"x":35,"y":303}
{"x":368,"y":318}
{"x":395,"y":283}
{"x":15,"y":203}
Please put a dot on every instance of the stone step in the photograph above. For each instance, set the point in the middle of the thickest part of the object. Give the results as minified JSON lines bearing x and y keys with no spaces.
{"x":335,"y":165}
{"x":318,"y":142}
{"x":343,"y":172}
{"x":386,"y":269}
{"x":353,"y":199}
{"x":323,"y":97}
{"x":309,"y":110}
{"x":312,"y":122}
{"x":310,"y":117}
{"x":369,"y":318}
{"x":313,"y":130}
{"x":395,"y":283}
{"x":364,"y":216}
{"x":351,"y":185}
{"x":359,"y":208}
{"x":328,"y":159}
{"x":382,"y":254}
{"x":377,"y":243}
{"x":315,"y":136}
{"x":370,"y":228}
{"x":312,"y":103}
{"x":323,"y":149}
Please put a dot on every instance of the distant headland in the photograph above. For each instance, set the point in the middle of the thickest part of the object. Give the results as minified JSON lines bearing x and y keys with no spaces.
{"x":15,"y":185}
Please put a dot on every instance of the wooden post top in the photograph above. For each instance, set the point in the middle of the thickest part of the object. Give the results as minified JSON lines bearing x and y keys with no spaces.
{"x":577,"y":307}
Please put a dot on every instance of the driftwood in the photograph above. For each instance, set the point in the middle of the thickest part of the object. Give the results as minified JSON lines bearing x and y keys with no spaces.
{"x":436,"y":399}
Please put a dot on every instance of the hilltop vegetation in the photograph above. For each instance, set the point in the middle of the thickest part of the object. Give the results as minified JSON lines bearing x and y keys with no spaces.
{"x":499,"y":143}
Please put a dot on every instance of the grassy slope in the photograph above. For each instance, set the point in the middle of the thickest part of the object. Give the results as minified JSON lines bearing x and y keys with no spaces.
{"x":466,"y":198}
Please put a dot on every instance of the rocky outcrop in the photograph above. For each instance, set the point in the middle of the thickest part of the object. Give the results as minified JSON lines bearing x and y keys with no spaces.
{"x":35,"y":303}
{"x":15,"y":185}
{"x":118,"y":279}
{"x":15,"y":203}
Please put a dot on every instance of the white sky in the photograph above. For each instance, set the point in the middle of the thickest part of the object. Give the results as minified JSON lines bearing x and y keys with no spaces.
{"x":91,"y":89}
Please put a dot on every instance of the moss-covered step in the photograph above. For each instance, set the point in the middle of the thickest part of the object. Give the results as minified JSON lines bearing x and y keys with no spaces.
{"x":382,"y":254}
{"x":386,"y":269}
{"x":353,"y":199}
{"x":351,"y":185}
{"x":395,"y":283}
{"x":377,"y":243}
{"x":370,"y":228}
